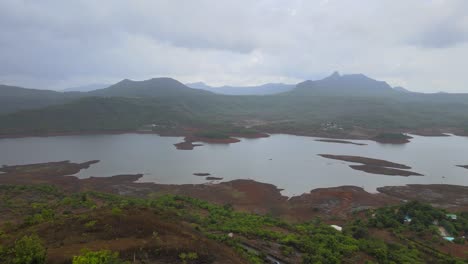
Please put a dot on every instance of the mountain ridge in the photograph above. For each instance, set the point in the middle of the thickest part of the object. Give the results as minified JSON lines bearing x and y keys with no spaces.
{"x":163,"y":86}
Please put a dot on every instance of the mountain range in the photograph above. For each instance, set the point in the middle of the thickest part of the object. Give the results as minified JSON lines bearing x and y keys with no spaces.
{"x":352,"y":101}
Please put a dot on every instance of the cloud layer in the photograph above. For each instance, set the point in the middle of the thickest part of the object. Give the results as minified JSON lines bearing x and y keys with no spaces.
{"x":418,"y":44}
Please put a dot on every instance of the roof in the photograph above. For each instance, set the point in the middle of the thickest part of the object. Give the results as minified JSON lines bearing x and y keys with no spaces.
{"x":339,"y":228}
{"x":452,"y":216}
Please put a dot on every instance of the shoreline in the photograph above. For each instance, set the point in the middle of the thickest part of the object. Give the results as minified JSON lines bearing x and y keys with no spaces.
{"x":188,"y":133}
{"x":244,"y":194}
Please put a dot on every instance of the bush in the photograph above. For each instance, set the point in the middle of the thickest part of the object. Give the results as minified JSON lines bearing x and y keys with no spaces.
{"x":188,"y":257}
{"x":29,"y":250}
{"x":98,"y":257}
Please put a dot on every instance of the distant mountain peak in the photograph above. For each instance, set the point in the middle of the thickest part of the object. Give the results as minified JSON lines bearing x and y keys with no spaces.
{"x":335,"y":75}
{"x":161,"y":86}
{"x":346,"y":84}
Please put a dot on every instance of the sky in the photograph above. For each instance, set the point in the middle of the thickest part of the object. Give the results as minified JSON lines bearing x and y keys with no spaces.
{"x":421,"y":45}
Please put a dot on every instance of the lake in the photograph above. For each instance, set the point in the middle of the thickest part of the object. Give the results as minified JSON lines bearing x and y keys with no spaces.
{"x":289,"y":162}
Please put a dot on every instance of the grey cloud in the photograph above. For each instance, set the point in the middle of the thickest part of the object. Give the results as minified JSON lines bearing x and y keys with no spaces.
{"x":443,"y":36}
{"x":67,"y":43}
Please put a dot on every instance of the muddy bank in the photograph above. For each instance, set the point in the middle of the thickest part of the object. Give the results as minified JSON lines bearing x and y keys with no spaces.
{"x":340,"y":141}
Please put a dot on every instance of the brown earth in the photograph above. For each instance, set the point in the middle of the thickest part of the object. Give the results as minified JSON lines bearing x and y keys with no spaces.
{"x":439,"y":195}
{"x":134,"y":234}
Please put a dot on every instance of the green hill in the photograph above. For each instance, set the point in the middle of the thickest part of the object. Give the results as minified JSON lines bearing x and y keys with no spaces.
{"x":155,"y":87}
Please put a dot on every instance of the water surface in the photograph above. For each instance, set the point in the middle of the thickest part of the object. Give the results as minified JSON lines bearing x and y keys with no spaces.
{"x":289,"y":162}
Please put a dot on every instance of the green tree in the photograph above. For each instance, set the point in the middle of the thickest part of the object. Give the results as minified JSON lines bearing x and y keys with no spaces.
{"x":98,"y":257}
{"x":29,"y":250}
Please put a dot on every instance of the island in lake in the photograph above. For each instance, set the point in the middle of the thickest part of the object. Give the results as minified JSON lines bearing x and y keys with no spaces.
{"x":374,"y":166}
{"x":340,"y":141}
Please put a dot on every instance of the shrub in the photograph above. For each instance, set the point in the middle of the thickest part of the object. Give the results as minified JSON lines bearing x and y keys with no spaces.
{"x":29,"y":250}
{"x":98,"y":257}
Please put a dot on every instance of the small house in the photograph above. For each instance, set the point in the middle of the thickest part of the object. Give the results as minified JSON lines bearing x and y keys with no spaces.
{"x":337,"y":228}
{"x":407,"y":219}
{"x":450,"y":239}
{"x":451,"y":216}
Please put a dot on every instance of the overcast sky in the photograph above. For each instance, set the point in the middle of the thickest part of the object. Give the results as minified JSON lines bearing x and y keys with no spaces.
{"x":419,"y":44}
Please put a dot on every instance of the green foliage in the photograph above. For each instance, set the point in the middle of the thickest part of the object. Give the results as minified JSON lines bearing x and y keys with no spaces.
{"x":90,"y":224}
{"x":98,"y":257}
{"x":116,"y":211}
{"x":358,"y":229}
{"x":188,"y":257}
{"x":389,"y":253}
{"x":29,"y":250}
{"x":215,"y":112}
{"x":315,"y":241}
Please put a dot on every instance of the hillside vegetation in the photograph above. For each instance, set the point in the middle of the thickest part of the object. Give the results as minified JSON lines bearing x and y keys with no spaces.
{"x":42,"y":223}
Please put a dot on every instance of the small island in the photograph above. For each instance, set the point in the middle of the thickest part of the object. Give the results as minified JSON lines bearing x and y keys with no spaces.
{"x":340,"y":141}
{"x":202,"y":174}
{"x":374,"y":166}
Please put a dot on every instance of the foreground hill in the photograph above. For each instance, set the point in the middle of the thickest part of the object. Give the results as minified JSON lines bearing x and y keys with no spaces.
{"x":264,"y":89}
{"x":54,"y":217}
